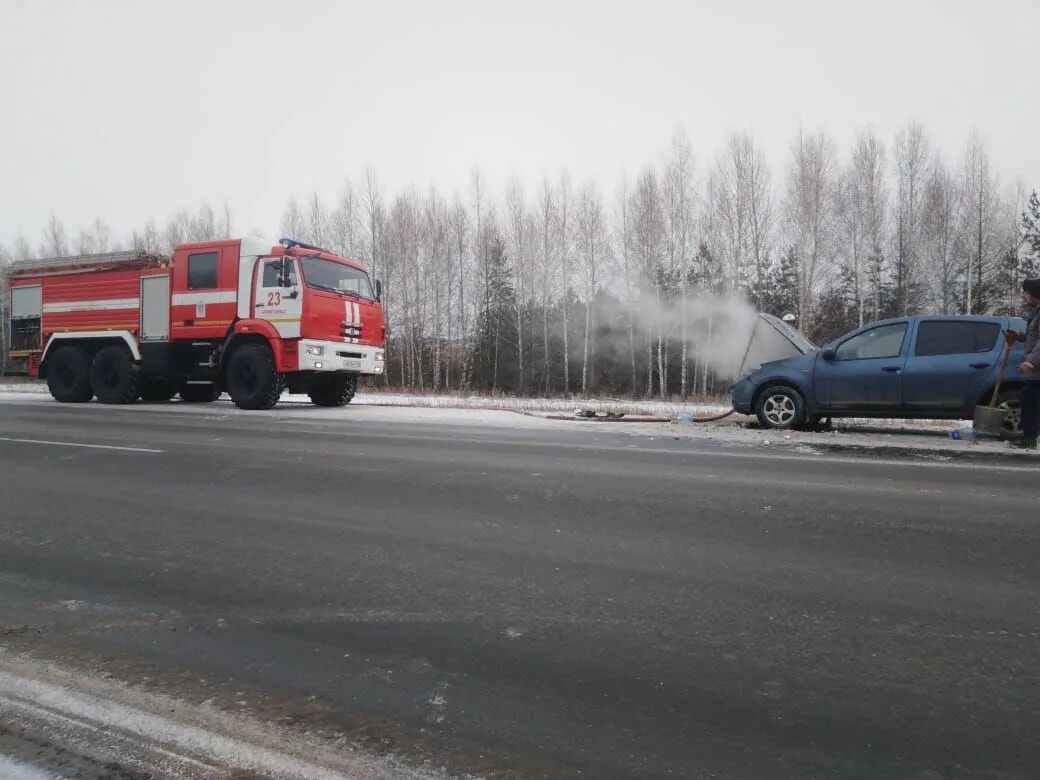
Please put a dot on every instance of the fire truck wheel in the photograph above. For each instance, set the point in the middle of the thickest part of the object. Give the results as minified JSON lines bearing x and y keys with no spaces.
{"x":158,"y":391}
{"x":333,"y":390}
{"x":199,"y":394}
{"x":68,"y":375}
{"x":114,"y":376}
{"x":251,"y":378}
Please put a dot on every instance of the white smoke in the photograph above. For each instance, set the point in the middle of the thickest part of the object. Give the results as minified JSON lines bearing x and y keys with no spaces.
{"x":725,"y":332}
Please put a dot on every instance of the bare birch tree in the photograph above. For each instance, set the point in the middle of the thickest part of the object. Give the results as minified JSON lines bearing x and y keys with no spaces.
{"x":319,"y":227}
{"x":293,"y":224}
{"x":346,"y":239}
{"x":225,"y":221}
{"x":518,"y":241}
{"x":912,"y":156}
{"x":55,"y":243}
{"x":870,"y":192}
{"x":623,"y":238}
{"x":459,"y":229}
{"x":547,"y":220}
{"x":592,"y":246}
{"x":648,"y":234}
{"x":564,"y":250}
{"x":941,"y":210}
{"x":679,"y":195}
{"x":979,"y":234}
{"x":810,"y":213}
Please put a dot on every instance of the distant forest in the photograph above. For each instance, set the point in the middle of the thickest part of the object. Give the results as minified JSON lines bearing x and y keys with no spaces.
{"x":556,"y":290}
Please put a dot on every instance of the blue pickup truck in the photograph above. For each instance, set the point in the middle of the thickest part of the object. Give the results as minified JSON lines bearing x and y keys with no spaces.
{"x":938,"y":367}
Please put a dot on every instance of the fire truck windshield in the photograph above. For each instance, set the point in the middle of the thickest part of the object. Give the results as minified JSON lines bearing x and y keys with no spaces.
{"x":335,"y":277}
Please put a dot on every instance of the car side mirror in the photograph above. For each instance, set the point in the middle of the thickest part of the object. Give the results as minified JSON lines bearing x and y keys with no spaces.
{"x":285,"y":279}
{"x":379,"y":290}
{"x":828,"y":355}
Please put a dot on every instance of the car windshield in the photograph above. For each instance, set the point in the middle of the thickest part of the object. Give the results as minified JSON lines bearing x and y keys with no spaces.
{"x":322,"y":274}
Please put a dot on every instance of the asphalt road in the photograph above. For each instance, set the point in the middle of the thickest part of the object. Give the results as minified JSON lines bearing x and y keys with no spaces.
{"x":536,"y":601}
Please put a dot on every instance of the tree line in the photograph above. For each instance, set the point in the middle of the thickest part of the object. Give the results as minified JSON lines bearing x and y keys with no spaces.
{"x":562,"y":289}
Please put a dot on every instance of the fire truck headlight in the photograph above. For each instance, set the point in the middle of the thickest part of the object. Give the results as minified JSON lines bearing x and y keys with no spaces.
{"x":319,"y":364}
{"x":315,"y":350}
{"x":379,"y":358}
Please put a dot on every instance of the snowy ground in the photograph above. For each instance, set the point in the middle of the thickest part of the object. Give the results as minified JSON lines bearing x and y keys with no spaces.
{"x":61,"y":712}
{"x":642,"y":418}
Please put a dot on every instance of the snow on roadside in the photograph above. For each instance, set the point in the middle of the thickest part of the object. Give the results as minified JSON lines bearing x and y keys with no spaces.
{"x":22,"y":387}
{"x":156,"y":734}
{"x":894,"y":436}
{"x":13,"y":770}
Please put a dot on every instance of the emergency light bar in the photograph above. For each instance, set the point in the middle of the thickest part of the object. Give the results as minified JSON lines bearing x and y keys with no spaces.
{"x":288,"y":243}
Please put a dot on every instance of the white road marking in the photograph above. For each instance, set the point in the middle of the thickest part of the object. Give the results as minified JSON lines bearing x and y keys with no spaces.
{"x":79,"y":444}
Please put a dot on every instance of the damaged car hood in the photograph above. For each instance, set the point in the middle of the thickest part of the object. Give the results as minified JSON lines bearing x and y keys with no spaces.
{"x":772,"y":340}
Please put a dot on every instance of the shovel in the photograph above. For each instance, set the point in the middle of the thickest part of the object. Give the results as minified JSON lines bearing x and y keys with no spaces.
{"x":990,"y":419}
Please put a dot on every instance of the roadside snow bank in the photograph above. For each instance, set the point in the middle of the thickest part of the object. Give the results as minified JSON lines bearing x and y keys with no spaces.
{"x":154,"y":734}
{"x":924,"y":437}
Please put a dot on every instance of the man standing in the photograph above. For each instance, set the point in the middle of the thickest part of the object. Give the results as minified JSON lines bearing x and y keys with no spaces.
{"x":1030,"y":368}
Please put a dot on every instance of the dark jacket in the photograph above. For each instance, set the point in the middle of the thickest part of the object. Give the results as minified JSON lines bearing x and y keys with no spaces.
{"x":1032,"y":346}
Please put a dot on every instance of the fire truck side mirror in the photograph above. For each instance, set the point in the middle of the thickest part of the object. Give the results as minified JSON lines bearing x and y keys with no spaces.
{"x":379,"y":290}
{"x":285,"y":277}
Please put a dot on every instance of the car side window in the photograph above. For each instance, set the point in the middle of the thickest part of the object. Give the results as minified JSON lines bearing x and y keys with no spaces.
{"x":885,"y":341}
{"x":955,"y":337}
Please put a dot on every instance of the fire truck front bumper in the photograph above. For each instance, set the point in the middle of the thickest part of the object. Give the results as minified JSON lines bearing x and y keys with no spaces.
{"x":337,"y":356}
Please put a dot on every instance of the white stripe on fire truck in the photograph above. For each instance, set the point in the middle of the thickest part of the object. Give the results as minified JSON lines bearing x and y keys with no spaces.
{"x":348,"y":320}
{"x":219,"y":296}
{"x":106,"y":304}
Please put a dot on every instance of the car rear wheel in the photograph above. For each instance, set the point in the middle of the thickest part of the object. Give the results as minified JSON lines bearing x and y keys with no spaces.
{"x":780,"y":407}
{"x":1011,"y":402}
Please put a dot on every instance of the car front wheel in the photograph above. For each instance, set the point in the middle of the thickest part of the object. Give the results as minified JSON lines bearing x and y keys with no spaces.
{"x":780,"y":407}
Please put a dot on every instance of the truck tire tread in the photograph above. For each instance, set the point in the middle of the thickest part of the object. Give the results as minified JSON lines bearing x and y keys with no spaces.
{"x":68,"y":375}
{"x":114,"y":376}
{"x":334,"y":390}
{"x":252,"y":380}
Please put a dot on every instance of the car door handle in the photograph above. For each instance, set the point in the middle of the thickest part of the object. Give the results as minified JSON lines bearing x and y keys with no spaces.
{"x":980,"y":365}
{"x":892,"y":369}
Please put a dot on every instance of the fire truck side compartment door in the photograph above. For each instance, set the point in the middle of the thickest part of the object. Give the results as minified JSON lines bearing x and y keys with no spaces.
{"x":155,"y":308}
{"x":26,"y":310}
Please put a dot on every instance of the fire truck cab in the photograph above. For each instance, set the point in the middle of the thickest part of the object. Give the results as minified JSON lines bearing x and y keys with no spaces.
{"x":242,"y":316}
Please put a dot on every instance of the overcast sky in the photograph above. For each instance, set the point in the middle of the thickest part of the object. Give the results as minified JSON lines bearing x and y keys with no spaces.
{"x":131,"y":110}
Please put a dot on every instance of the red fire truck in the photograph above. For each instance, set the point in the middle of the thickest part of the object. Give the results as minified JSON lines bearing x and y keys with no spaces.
{"x":243,"y":316}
